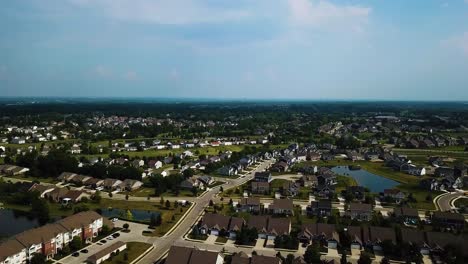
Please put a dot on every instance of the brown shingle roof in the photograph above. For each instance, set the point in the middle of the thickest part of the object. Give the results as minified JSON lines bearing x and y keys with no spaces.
{"x":240,"y":258}
{"x":250,"y":201}
{"x":201,"y":256}
{"x":256,"y":259}
{"x":38,"y":235}
{"x":360,"y":207}
{"x":178,"y":255}
{"x":236,"y":223}
{"x":285,"y":204}
{"x":258,"y":222}
{"x":79,"y":220}
{"x":413,"y":236}
{"x":10,"y":248}
{"x":215,"y":221}
{"x":379,"y":234}
{"x":279,"y":226}
{"x":406,"y":211}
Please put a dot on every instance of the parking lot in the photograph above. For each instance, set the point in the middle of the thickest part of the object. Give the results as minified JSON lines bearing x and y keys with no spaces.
{"x":134,"y":235}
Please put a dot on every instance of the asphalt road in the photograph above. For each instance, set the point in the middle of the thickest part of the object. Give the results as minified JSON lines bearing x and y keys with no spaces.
{"x":444,"y":201}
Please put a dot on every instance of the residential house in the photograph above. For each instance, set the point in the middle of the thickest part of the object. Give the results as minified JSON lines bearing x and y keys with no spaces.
{"x":394,"y":194}
{"x":188,"y":255}
{"x":355,"y":235}
{"x":319,"y":208}
{"x":130,"y":185}
{"x":206,"y":180}
{"x":263,"y":176}
{"x":112,"y":184}
{"x":50,"y":238}
{"x":448,"y":219}
{"x":249,"y":205}
{"x":358,"y":193}
{"x":228,"y":170}
{"x":235,"y":225}
{"x":156,"y":164}
{"x":379,"y":234}
{"x":281,"y":207}
{"x":260,"y":187}
{"x":278,"y":227}
{"x":190,"y":183}
{"x":308,"y":181}
{"x":290,"y":189}
{"x":214,"y":224}
{"x":406,"y":215}
{"x":416,"y":238}
{"x":360,"y":211}
{"x":325,"y":234}
{"x":324,"y":191}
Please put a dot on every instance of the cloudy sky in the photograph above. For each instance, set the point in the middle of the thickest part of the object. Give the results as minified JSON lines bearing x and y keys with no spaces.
{"x":279,"y":49}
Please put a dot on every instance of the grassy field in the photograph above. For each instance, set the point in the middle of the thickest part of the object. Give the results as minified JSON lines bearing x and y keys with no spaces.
{"x":145,"y":192}
{"x":462,"y":202}
{"x":133,"y":251}
{"x":343,"y":182}
{"x":30,"y":178}
{"x":423,"y":197}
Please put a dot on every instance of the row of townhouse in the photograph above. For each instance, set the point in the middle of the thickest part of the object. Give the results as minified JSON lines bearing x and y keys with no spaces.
{"x":373,"y":237}
{"x":50,"y":238}
{"x":95,"y":183}
{"x":187,"y":255}
{"x":266,"y":226}
{"x":12,"y":170}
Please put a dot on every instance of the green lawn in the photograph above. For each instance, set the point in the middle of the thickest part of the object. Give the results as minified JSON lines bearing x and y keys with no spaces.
{"x":133,"y":251}
{"x":421,"y":196}
{"x":343,"y":182}
{"x":462,"y":202}
{"x":221,"y":239}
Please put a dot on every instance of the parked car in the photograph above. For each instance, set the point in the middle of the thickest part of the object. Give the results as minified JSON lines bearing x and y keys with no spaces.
{"x":115,"y":235}
{"x":84,"y":251}
{"x":103,"y":241}
{"x":109,"y":238}
{"x":115,"y":219}
{"x":76,"y":254}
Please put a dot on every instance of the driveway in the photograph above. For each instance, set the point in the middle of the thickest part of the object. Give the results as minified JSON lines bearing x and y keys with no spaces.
{"x":259,"y":244}
{"x":211,"y":239}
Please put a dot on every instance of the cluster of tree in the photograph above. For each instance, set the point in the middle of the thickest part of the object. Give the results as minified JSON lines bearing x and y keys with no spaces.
{"x":51,"y":165}
{"x":246,"y":236}
{"x":100,"y":170}
{"x":15,"y":193}
{"x":163,"y":184}
{"x":287,"y":241}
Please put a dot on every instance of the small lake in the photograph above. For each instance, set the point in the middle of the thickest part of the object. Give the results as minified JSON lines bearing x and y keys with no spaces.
{"x":138,"y":215}
{"x":375,"y":183}
{"x":13,"y":222}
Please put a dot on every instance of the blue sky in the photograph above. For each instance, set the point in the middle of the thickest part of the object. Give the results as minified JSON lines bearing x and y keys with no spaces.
{"x":278,"y":49}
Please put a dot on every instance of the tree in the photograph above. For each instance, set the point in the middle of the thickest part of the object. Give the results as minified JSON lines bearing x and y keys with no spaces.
{"x":312,"y":254}
{"x":97,"y":197}
{"x":289,"y":259}
{"x":126,"y":197}
{"x":161,"y":201}
{"x":40,"y":209}
{"x":76,"y":243}
{"x":365,"y":258}
{"x":173,"y":218}
{"x":105,"y":230}
{"x":168,"y":204}
{"x":343,"y":259}
{"x":110,"y":194}
{"x":38,"y":258}
{"x":153,"y":220}
{"x":126,"y":226}
{"x":211,"y":203}
{"x":221,"y":189}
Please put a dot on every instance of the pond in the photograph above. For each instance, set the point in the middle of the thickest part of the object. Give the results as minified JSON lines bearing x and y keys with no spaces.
{"x":132,"y":214}
{"x":375,"y":183}
{"x":13,"y":222}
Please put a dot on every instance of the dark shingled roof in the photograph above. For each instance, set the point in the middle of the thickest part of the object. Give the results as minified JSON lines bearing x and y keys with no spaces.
{"x":360,"y":207}
{"x":406,"y":211}
{"x":286,"y":204}
{"x":258,"y":222}
{"x":256,"y":259}
{"x":379,"y":234}
{"x":178,"y":255}
{"x":9,"y":248}
{"x":215,"y":221}
{"x":413,"y":236}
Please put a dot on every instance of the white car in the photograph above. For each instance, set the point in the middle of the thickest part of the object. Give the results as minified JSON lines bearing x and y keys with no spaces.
{"x":109,"y":238}
{"x":115,"y":219}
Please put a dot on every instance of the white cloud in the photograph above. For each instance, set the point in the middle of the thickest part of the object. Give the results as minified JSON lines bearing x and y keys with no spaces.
{"x":324,"y":14}
{"x":102,"y":71}
{"x":177,"y":12}
{"x":130,"y":76}
{"x":459,"y":42}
